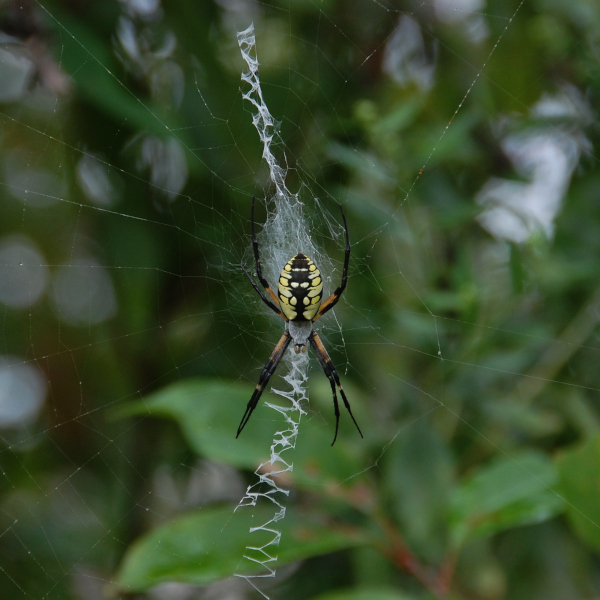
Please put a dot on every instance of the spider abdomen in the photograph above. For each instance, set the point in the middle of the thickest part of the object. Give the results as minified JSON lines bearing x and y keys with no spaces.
{"x":300,"y":288}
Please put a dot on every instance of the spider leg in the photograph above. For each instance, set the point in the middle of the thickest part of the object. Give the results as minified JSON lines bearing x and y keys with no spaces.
{"x":262,"y":296}
{"x":334,"y":379}
{"x":259,"y":274}
{"x":274,"y":307}
{"x":333,"y":299}
{"x":267,"y":371}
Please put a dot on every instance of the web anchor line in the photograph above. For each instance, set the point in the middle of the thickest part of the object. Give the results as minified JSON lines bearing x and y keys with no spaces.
{"x":286,"y":221}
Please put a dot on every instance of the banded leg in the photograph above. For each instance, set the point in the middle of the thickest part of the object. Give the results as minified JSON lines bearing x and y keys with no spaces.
{"x":334,"y":379}
{"x":259,"y":274}
{"x":267,"y":371}
{"x":263,"y":297}
{"x":333,"y":299}
{"x":273,"y":306}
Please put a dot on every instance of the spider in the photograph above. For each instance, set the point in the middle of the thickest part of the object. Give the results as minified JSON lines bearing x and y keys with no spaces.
{"x":299,"y":305}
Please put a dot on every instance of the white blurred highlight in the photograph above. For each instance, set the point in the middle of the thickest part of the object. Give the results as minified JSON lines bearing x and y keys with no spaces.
{"x":36,"y":186}
{"x":546,"y":158}
{"x":22,"y":392}
{"x":16,"y":74}
{"x":83,"y":293}
{"x":23,"y":273}
{"x":143,"y":9}
{"x":165,"y":159}
{"x":96,"y":181}
{"x":405,"y":59}
{"x":464,"y":14}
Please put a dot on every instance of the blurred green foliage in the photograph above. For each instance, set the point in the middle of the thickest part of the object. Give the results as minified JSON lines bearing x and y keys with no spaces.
{"x":470,"y":356}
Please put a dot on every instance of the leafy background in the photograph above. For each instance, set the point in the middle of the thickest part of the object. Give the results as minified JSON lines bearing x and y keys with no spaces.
{"x":479,"y":474}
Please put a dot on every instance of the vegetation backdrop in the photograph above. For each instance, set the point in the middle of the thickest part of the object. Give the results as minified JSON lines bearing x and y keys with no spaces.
{"x":461,"y":138}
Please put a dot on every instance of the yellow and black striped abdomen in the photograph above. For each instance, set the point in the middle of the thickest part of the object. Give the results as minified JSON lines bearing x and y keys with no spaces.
{"x":300,"y":289}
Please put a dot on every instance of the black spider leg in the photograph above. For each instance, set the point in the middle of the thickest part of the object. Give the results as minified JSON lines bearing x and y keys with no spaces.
{"x":334,"y":379}
{"x":259,"y":274}
{"x":333,"y":299}
{"x":263,"y":281}
{"x":267,"y":371}
{"x":262,"y":296}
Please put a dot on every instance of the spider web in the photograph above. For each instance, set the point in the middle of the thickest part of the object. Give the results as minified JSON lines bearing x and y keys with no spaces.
{"x":80,"y":255}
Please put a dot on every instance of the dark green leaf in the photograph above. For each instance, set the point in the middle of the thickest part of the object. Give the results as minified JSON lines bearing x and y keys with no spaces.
{"x":579,"y":470}
{"x":366,"y":593}
{"x":420,"y":503}
{"x":509,"y":492}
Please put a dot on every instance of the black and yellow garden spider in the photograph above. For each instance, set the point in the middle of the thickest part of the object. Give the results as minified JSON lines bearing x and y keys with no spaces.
{"x":299,"y":304}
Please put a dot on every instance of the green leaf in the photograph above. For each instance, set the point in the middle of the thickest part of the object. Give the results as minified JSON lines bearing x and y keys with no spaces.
{"x":419,"y":474}
{"x":398,"y":119}
{"x":210,"y":545}
{"x":365,"y":593}
{"x":511,"y":491}
{"x":208,"y":412}
{"x":579,"y":470}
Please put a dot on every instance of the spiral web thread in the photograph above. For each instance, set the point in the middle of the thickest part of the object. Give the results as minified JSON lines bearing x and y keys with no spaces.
{"x":285,"y":232}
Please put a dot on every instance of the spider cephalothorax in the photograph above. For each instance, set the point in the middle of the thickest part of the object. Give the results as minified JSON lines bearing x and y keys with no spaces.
{"x":299,"y":304}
